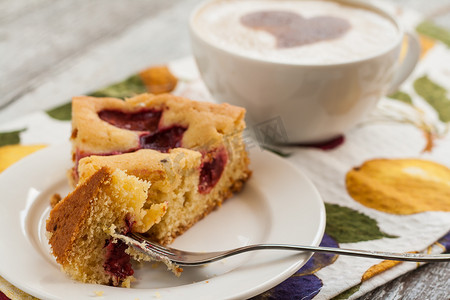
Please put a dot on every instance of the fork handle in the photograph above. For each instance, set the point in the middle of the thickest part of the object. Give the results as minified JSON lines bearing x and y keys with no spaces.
{"x":416,"y":257}
{"x":186,"y":258}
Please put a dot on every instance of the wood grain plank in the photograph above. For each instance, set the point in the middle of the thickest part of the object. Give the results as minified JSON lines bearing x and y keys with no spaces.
{"x":159,"y":38}
{"x":11,"y":10}
{"x":59,"y":32}
{"x":431,"y":281}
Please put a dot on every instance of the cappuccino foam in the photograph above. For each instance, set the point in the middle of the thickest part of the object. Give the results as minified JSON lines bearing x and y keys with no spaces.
{"x":307,"y":26}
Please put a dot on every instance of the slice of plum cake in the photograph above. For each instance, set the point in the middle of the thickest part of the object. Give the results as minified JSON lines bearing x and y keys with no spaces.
{"x":107,"y":202}
{"x":79,"y":226}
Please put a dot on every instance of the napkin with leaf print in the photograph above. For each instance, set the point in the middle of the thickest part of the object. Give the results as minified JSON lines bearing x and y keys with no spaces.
{"x":386,"y":183}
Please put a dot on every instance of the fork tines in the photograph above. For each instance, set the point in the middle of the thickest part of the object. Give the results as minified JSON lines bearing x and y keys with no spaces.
{"x":152,"y":246}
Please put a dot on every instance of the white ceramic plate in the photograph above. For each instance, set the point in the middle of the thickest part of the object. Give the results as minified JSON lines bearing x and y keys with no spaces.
{"x":278,"y":204}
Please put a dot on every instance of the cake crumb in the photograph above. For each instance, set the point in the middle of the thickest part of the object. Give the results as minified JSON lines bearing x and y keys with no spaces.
{"x":99,"y":293}
{"x":157,"y":295}
{"x":54,"y":199}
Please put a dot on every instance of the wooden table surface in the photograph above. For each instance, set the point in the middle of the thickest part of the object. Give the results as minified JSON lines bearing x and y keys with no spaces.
{"x":51,"y":50}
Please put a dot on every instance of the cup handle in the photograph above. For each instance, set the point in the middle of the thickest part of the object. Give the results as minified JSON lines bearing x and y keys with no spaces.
{"x":408,"y":64}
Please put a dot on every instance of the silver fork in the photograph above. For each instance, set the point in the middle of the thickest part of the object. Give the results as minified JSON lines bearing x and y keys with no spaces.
{"x":187,"y":258}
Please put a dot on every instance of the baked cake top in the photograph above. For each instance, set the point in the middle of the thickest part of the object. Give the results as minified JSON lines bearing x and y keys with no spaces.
{"x":158,"y":122}
{"x":156,"y":167}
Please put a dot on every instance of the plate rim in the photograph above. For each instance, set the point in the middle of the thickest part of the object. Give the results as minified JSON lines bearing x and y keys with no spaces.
{"x":249,"y":292}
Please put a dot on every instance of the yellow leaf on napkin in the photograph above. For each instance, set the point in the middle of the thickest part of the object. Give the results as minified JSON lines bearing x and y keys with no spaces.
{"x":426,"y":44}
{"x":12,"y":153}
{"x":158,"y":79}
{"x":379,"y":268}
{"x":401,"y":186}
{"x":12,"y":292}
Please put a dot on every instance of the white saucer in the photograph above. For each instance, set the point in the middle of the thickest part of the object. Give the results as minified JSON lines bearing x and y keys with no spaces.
{"x":278,"y":205}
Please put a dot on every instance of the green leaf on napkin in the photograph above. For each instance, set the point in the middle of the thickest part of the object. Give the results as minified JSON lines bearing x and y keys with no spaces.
{"x":346,"y":225}
{"x":435,"y":95}
{"x":401,"y":96}
{"x":347,"y":293}
{"x":129,"y":87}
{"x":62,"y":112}
{"x":434,"y":31}
{"x":10,"y":137}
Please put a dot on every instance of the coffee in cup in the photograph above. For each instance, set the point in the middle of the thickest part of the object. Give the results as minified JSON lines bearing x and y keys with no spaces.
{"x":295,"y":32}
{"x":318,"y":66}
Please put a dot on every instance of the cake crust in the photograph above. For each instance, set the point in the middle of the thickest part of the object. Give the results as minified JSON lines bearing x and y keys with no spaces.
{"x":206,"y":123}
{"x":69,"y":217}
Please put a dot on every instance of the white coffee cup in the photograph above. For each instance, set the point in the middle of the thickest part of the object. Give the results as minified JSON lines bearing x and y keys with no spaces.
{"x":314,"y":102}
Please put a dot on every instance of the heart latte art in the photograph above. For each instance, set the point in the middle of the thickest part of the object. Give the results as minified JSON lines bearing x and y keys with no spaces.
{"x":295,"y":31}
{"x":292,"y":30}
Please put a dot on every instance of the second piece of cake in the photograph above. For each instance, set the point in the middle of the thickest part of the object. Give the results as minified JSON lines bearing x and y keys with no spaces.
{"x":124,"y":134}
